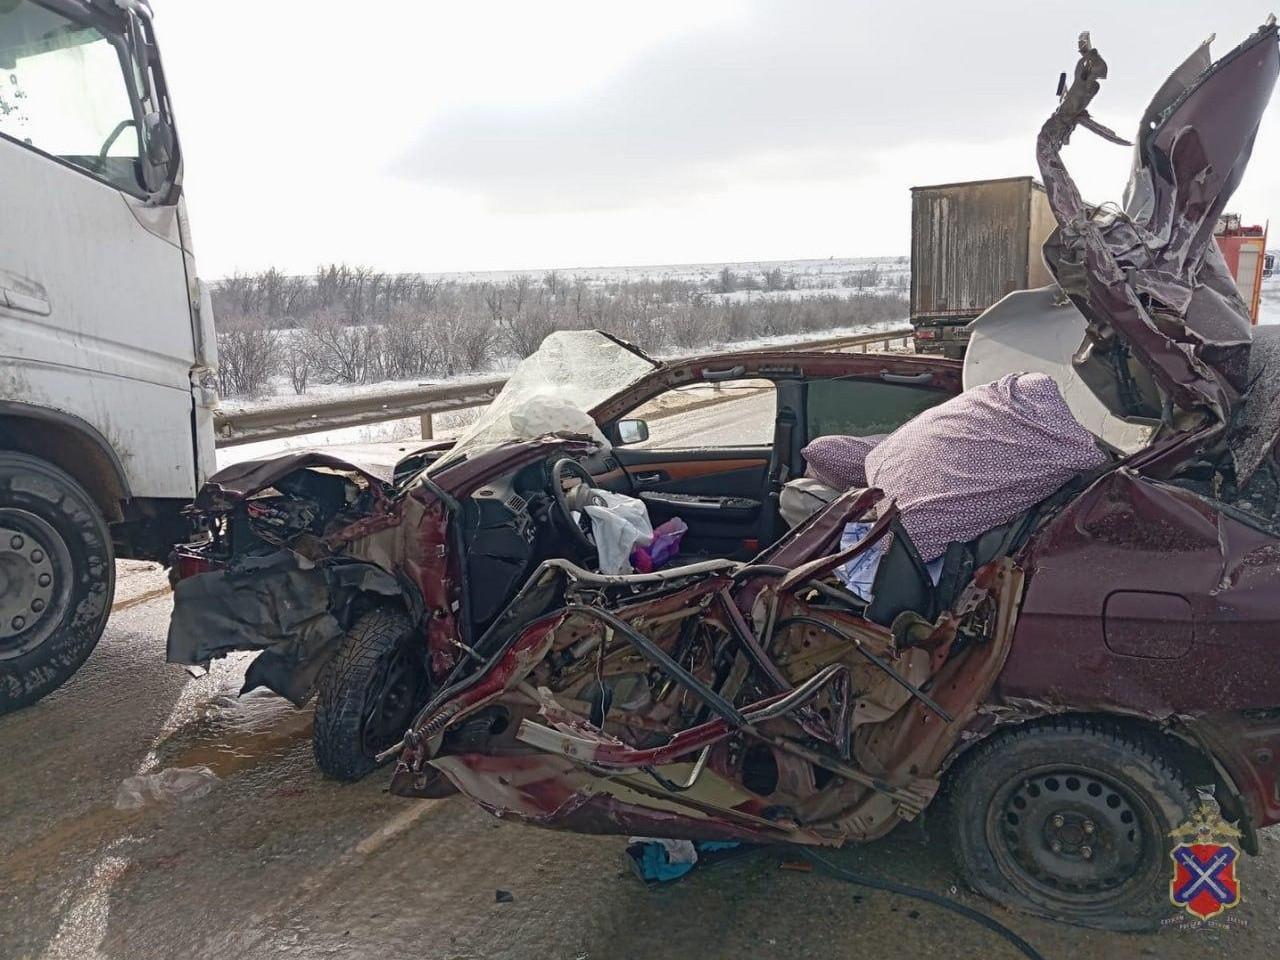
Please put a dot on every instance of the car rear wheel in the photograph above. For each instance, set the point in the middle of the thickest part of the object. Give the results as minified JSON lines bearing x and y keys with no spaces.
{"x":1071,"y":820}
{"x":367,"y":694}
{"x":57,"y":578}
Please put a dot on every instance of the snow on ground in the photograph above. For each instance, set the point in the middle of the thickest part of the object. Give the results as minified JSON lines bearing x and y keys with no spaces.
{"x":825,"y":274}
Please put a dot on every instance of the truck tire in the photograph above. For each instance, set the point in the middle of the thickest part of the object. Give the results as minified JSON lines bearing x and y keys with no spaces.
{"x":367,"y":694}
{"x":57,"y":578}
{"x":1070,"y":820}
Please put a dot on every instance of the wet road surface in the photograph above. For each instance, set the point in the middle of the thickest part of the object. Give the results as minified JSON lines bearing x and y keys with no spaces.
{"x":277,"y":862}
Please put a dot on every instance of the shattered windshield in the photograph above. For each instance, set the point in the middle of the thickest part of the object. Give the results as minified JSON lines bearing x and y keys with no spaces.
{"x":551,"y":391}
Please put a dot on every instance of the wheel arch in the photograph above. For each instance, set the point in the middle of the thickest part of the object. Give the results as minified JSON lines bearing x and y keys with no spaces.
{"x":350,"y":603}
{"x":1170,"y":738}
{"x":71,"y":444}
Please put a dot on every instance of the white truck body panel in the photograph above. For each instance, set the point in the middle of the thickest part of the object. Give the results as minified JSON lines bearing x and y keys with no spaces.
{"x":96,"y":317}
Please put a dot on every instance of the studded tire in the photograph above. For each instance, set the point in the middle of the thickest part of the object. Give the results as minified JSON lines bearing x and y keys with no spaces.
{"x":57,"y":578}
{"x":1070,"y":820}
{"x":367,"y":694}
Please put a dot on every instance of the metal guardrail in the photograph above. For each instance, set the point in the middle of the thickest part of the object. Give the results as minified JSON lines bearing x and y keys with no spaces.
{"x":296,"y":419}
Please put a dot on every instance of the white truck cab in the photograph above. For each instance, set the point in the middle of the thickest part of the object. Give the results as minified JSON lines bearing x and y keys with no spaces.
{"x":107,"y":346}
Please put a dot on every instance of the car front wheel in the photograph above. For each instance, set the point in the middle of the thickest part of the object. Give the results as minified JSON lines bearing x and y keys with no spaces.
{"x":1071,"y":820}
{"x":367,"y":694}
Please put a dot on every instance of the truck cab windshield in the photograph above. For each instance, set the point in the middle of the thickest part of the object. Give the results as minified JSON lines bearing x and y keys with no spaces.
{"x":63,"y":92}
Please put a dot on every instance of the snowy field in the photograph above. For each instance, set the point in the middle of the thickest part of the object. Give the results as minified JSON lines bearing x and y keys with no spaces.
{"x":812,"y":275}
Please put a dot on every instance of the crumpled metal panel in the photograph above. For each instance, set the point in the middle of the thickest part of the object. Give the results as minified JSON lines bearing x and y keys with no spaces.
{"x":1150,"y":278}
{"x":244,"y":479}
{"x":275,"y":603}
{"x":1129,"y":533}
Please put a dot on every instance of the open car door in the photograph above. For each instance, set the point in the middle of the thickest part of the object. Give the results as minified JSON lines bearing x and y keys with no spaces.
{"x":712,"y":440}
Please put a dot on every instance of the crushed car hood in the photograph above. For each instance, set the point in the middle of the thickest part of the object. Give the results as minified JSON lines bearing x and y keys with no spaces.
{"x":1168,"y":335}
{"x":241,"y":480}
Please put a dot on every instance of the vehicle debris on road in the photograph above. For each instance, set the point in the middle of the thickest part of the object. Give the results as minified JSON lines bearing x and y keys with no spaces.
{"x":173,"y":784}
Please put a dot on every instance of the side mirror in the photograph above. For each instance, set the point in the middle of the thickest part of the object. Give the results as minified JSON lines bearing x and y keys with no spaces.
{"x":632,"y":431}
{"x":159,"y":140}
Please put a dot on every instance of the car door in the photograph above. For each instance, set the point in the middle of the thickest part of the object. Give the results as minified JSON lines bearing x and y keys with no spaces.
{"x":712,"y":440}
{"x":704,"y":458}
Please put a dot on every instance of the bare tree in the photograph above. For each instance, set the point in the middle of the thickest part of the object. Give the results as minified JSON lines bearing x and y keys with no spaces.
{"x":339,"y":352}
{"x":299,"y":366}
{"x":248,"y":354}
{"x":356,"y":324}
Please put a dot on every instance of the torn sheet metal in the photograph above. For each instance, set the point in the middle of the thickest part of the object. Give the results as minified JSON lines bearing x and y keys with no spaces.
{"x":279,"y":604}
{"x":1147,"y":278}
{"x":241,"y":480}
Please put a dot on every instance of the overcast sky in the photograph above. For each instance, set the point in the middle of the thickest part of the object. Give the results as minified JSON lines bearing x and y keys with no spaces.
{"x":443,"y":136}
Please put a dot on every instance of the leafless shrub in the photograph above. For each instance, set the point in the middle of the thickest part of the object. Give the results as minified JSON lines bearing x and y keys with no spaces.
{"x":341,"y":352}
{"x":692,"y":324}
{"x":410,"y":345}
{"x":248,"y":352}
{"x":521,"y":333}
{"x":467,"y":341}
{"x":298,"y":362}
{"x":861,"y":279}
{"x":775,"y":279}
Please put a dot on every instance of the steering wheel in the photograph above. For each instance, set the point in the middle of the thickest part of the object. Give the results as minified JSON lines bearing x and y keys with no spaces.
{"x":571,"y":497}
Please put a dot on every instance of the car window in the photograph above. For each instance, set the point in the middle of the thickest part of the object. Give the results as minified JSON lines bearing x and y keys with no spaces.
{"x":735,"y":413}
{"x":62,"y":90}
{"x":860,"y":408}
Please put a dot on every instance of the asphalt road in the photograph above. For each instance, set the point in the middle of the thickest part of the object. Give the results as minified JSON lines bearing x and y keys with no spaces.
{"x":277,"y":862}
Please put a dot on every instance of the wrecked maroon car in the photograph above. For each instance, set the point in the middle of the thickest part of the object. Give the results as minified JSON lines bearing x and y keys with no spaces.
{"x":1070,"y":681}
{"x":367,"y":589}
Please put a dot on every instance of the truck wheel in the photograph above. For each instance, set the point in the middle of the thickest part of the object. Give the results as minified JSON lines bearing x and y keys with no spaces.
{"x":367,"y":694}
{"x":57,"y":578}
{"x":1070,"y":820}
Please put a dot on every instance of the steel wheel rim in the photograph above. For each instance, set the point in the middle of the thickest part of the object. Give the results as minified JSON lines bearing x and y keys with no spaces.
{"x":36,"y":576}
{"x":1070,"y":835}
{"x":393,"y":703}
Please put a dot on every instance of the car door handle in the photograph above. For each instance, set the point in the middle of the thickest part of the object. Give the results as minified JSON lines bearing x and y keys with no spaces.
{"x":19,"y":293}
{"x":647,"y":478}
{"x":909,"y":378}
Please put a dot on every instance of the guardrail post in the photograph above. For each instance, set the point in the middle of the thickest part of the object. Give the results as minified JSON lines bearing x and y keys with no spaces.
{"x":427,"y":431}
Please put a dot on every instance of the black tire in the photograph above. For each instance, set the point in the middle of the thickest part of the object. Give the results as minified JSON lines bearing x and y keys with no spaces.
{"x":57,"y":578}
{"x":1070,"y":820}
{"x":367,"y":694}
